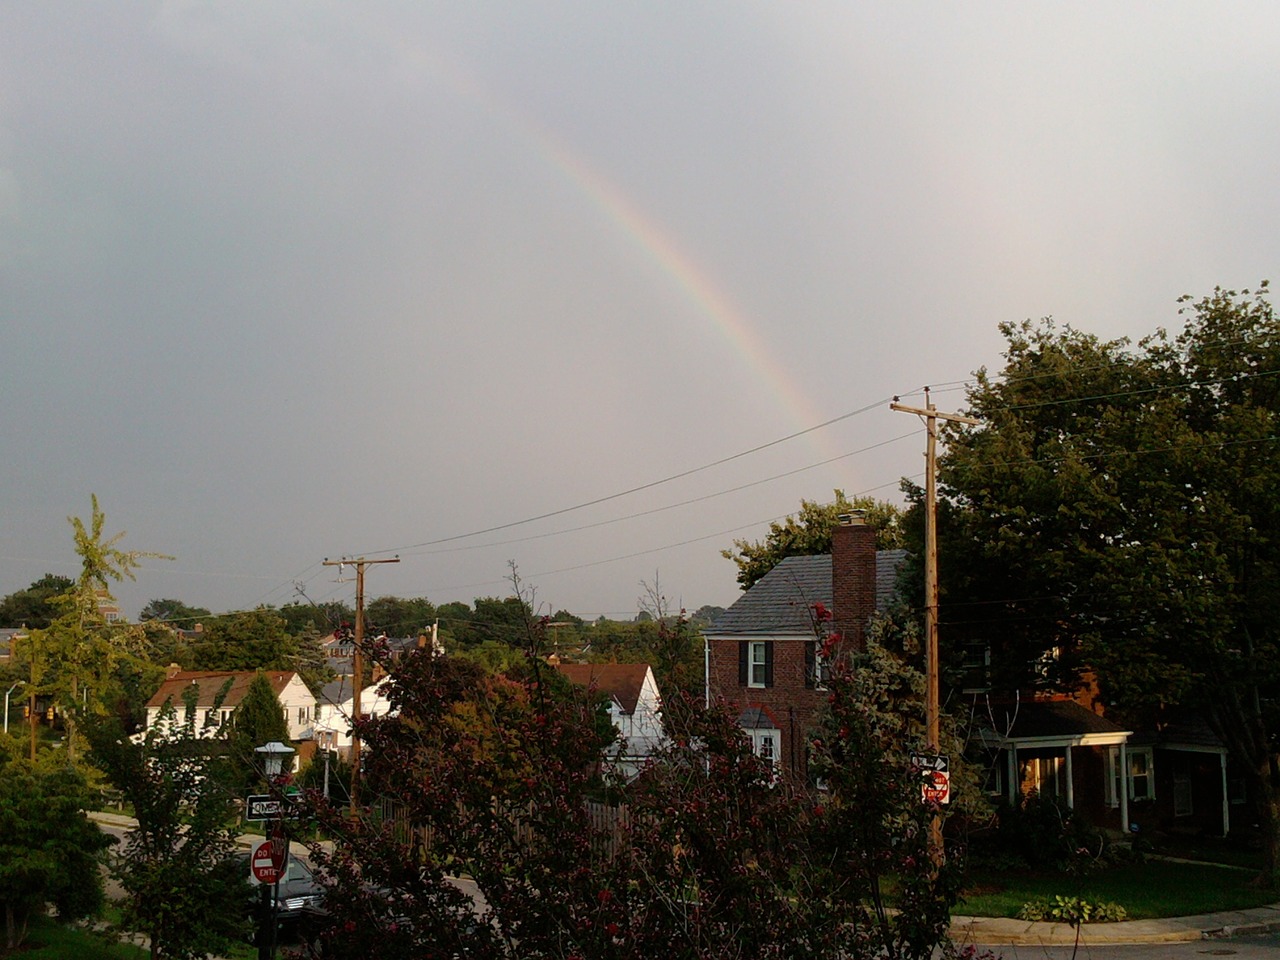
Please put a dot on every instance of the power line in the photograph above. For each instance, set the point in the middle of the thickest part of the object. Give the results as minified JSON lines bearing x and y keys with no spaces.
{"x":644,"y":486}
{"x":673,"y":506}
{"x":669,"y":546}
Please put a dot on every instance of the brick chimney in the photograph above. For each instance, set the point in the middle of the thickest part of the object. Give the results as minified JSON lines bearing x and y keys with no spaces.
{"x":853,"y":577}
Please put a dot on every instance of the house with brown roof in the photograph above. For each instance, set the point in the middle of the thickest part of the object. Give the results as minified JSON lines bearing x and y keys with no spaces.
{"x":634,"y":707}
{"x":217,"y":693}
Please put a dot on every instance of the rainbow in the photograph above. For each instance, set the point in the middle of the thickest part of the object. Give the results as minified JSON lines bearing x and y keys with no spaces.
{"x":661,"y":249}
{"x":658,"y":246}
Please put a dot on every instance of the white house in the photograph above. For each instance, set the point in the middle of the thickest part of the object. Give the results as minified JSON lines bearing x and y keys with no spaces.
{"x":634,"y":707}
{"x":217,"y":693}
{"x":336,"y":708}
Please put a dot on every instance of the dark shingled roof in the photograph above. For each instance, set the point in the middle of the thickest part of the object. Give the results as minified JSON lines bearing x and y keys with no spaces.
{"x":1049,"y":718}
{"x":754,"y":718}
{"x":338,"y":691}
{"x":779,"y":602}
{"x":1189,"y":730}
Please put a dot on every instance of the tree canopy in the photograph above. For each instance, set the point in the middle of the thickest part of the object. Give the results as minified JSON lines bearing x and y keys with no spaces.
{"x":76,"y":656}
{"x":1117,"y":508}
{"x":50,"y":851}
{"x":33,"y":607}
{"x":808,"y":532}
{"x":399,"y":616}
{"x":174,"y":612}
{"x":183,"y":886}
{"x":258,"y":640}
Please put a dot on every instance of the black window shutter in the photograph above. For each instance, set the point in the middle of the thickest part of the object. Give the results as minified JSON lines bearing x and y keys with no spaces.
{"x":768,"y":663}
{"x":810,"y":663}
{"x":742,"y":663}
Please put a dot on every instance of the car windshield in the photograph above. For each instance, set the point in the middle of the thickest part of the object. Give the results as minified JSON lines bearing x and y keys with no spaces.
{"x":297,"y":870}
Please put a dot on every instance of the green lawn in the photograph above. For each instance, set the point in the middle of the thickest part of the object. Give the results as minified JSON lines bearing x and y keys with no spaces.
{"x":1152,"y":889}
{"x":49,"y":940}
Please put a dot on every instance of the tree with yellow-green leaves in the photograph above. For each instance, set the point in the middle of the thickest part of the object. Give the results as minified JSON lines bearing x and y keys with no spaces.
{"x":73,"y":658}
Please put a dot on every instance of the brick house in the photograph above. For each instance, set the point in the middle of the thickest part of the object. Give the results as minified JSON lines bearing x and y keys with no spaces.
{"x":763,"y":656}
{"x":1170,"y":777}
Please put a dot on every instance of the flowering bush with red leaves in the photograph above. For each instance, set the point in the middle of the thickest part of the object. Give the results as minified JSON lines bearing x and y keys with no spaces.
{"x":703,"y":855}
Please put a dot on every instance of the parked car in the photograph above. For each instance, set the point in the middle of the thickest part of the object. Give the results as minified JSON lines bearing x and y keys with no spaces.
{"x":300,"y":894}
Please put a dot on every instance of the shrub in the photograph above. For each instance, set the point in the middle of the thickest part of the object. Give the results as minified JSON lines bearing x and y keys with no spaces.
{"x":1045,"y":832}
{"x":1072,"y":910}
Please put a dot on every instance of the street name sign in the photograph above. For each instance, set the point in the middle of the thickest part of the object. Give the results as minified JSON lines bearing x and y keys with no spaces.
{"x":268,"y":808}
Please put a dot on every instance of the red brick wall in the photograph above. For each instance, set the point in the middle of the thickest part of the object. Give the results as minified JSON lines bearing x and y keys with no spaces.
{"x":792,"y":705}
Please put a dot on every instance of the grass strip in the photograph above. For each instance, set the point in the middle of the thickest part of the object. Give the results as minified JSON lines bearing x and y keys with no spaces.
{"x":1146,"y":890}
{"x":49,"y":940}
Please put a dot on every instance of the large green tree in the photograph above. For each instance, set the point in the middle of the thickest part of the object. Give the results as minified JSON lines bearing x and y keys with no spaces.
{"x":33,"y":607}
{"x":808,"y":532}
{"x":505,"y":620}
{"x":1117,"y":508}
{"x":258,"y":640}
{"x":399,"y":616}
{"x":50,"y":851}
{"x":75,"y":657}
{"x":259,"y":719}
{"x":316,"y":619}
{"x":183,"y":885}
{"x":175,"y":612}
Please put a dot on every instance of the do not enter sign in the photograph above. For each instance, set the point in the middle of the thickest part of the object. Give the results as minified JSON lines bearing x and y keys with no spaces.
{"x":935,"y":777}
{"x":267,"y":862}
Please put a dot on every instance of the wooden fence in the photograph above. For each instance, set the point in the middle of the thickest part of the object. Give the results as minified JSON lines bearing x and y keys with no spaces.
{"x":609,"y":826}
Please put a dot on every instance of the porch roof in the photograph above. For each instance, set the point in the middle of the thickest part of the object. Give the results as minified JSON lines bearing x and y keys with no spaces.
{"x":1188,"y":732}
{"x":1051,"y":723}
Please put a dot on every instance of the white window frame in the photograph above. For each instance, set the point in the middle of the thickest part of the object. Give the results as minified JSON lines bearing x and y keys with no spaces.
{"x":821,"y":669}
{"x":1148,"y":772}
{"x":1147,"y":758}
{"x":993,"y":783}
{"x":766,"y":743}
{"x":975,"y":663}
{"x":1184,"y":804}
{"x":1034,"y":770}
{"x":757,"y":667}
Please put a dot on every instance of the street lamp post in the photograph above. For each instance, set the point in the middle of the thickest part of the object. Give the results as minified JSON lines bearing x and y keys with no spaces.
{"x":7,"y":694}
{"x":326,"y":772}
{"x":273,"y":756}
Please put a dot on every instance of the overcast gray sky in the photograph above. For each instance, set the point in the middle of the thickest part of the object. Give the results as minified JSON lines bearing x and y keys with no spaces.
{"x":285,"y":281}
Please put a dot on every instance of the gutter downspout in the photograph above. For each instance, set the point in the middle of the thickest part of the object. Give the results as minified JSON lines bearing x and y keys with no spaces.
{"x":706,"y":673}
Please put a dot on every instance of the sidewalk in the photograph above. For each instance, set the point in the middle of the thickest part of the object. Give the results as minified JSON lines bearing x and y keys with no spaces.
{"x":246,"y":840}
{"x":1003,"y":931}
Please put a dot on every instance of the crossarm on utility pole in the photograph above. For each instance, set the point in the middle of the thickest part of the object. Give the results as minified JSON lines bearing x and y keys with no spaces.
{"x":357,"y":667}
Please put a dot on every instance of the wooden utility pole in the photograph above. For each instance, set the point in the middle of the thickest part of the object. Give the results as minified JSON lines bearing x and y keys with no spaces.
{"x":933,"y":733}
{"x":357,"y":666}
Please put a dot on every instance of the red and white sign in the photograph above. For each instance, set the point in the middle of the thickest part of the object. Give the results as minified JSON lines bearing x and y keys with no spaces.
{"x":935,"y":777}
{"x":937,"y":788}
{"x":267,"y":862}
